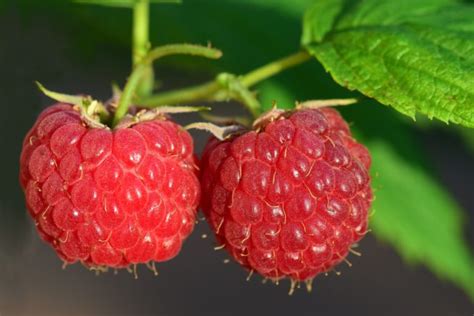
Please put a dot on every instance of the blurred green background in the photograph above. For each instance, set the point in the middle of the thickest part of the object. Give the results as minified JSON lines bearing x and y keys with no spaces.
{"x":422,"y":171}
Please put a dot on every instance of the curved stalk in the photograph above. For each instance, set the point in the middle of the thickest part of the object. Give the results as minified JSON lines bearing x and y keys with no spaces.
{"x":199,"y":92}
{"x":210,"y":90}
{"x":273,"y":68}
{"x":133,"y":81}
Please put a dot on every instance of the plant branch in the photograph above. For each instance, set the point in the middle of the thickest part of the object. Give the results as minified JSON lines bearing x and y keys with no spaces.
{"x":273,"y":68}
{"x":133,"y":81}
{"x":141,"y":45}
{"x":203,"y":92}
{"x":141,"y":16}
{"x":236,"y":90}
{"x":210,"y":90}
{"x":182,"y":49}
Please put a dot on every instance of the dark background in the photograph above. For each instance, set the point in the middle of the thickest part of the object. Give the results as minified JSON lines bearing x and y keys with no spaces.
{"x":197,"y":282}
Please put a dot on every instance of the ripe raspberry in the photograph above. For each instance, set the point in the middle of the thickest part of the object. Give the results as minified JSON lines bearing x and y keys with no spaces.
{"x":290,"y":198}
{"x":109,"y":198}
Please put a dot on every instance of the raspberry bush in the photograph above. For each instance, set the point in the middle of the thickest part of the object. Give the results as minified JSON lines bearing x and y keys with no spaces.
{"x":286,"y":189}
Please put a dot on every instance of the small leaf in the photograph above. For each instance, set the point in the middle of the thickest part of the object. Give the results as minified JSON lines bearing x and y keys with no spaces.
{"x":61,"y":97}
{"x":92,"y":110}
{"x":122,"y":3}
{"x":164,"y":109}
{"x":418,"y":217}
{"x":316,"y":104}
{"x":226,"y":120}
{"x":417,"y":56}
{"x":220,"y":132}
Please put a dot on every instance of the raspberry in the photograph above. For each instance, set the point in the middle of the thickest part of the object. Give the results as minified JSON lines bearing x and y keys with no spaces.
{"x":109,"y":198}
{"x":289,"y":198}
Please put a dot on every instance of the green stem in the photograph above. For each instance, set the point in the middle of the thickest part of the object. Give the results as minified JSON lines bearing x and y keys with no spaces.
{"x":140,"y":30}
{"x":209,"y":90}
{"x":236,"y":90}
{"x":247,"y":98}
{"x":141,"y":45}
{"x":200,"y":92}
{"x":133,"y":81}
{"x":273,"y":68}
{"x":182,"y":49}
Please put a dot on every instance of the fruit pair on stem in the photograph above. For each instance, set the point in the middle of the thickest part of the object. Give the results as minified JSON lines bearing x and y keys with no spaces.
{"x":114,"y":185}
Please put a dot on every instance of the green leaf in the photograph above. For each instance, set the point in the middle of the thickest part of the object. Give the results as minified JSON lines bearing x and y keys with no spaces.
{"x":412,"y":210}
{"x":316,"y":25}
{"x":416,"y":56}
{"x":418,"y":217}
{"x":121,"y":3}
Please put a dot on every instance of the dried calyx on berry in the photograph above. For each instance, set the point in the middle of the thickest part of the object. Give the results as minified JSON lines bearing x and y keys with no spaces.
{"x":289,"y":197}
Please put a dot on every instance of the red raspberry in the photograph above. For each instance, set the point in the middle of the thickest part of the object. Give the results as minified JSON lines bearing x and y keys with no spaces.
{"x":109,"y":198}
{"x":290,"y":198}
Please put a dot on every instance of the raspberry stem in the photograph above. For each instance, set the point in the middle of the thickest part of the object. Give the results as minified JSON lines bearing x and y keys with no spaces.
{"x":140,"y":30}
{"x":274,"y":68}
{"x":202,"y":92}
{"x":140,"y":69}
{"x":237,"y":90}
{"x":141,"y":45}
{"x":215,"y":90}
